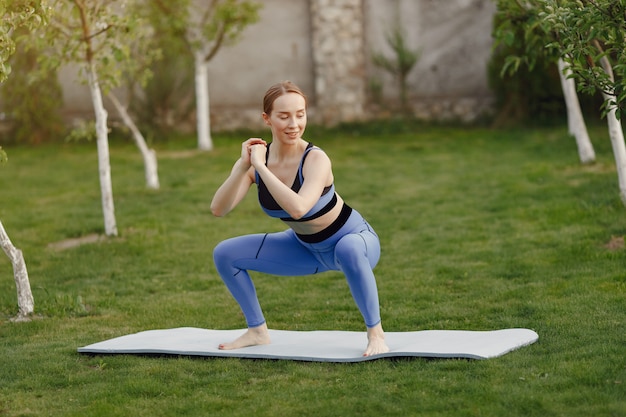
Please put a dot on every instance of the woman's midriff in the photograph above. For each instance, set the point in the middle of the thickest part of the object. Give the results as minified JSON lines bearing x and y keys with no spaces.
{"x":317,"y":225}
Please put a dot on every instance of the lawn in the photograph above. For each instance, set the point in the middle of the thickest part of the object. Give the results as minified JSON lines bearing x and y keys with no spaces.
{"x":481,"y":229}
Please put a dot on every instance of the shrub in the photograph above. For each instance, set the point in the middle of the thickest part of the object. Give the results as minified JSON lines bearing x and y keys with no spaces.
{"x":33,"y":104}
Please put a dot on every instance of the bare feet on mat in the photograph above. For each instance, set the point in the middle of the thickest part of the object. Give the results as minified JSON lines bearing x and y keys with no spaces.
{"x":376,"y":341}
{"x":253,"y":336}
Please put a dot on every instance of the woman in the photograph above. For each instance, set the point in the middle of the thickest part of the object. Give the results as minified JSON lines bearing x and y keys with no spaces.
{"x":295,"y":184}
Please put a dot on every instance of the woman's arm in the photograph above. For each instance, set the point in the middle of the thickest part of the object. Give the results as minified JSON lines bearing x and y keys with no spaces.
{"x":317,"y":172}
{"x":232,"y":190}
{"x":235,"y":187}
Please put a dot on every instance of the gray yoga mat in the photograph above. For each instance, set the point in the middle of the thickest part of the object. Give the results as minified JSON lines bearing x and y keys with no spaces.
{"x":319,"y":345}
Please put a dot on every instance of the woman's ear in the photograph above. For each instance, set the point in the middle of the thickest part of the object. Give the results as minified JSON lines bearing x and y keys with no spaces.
{"x":266,"y":119}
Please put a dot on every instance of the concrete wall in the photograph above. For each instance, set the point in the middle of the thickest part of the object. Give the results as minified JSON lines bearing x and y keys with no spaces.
{"x":325,"y":46}
{"x":276,"y":48}
{"x":454,"y":39}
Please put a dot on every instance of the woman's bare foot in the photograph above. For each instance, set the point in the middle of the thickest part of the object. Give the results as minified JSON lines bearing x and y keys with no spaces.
{"x":253,"y":336}
{"x":376,"y":341}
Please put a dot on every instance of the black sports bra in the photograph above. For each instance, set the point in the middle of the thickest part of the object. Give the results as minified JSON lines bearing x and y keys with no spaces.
{"x":327,"y":200}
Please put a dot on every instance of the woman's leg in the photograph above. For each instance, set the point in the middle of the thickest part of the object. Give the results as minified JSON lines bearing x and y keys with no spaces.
{"x":356,"y":254}
{"x":274,"y":253}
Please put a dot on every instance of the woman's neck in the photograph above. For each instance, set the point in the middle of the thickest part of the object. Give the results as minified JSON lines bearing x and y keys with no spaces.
{"x":287,"y":151}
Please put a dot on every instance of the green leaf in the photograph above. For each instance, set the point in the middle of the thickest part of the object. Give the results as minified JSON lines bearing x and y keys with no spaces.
{"x":3,"y":156}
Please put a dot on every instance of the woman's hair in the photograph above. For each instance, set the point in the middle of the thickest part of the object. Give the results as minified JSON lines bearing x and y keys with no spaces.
{"x":278,"y":90}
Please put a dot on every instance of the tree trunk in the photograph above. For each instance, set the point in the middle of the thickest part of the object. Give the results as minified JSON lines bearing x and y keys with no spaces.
{"x":619,"y":150}
{"x":25,"y":300}
{"x":202,"y":102}
{"x":575,"y":120}
{"x":149,"y":155}
{"x":615,"y":132}
{"x":104,"y":165}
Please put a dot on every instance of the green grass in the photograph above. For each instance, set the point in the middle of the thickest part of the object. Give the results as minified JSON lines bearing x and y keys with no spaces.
{"x":480,"y":230}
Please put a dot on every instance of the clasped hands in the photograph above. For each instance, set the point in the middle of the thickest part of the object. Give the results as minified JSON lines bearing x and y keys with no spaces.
{"x":253,"y":151}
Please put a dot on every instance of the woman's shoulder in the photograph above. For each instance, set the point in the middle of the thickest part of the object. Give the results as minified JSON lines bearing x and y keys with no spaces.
{"x":315,"y":157}
{"x":314,"y":151}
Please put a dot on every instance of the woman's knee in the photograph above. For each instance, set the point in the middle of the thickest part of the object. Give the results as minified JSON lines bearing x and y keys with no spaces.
{"x":221,"y":251}
{"x":226,"y":253}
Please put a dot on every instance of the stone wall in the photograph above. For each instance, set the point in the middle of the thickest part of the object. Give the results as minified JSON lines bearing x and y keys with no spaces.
{"x":339,"y":60}
{"x":449,"y":81}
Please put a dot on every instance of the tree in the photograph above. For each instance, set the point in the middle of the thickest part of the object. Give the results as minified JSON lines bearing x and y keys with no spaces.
{"x":166,"y":103}
{"x":205,"y":26}
{"x":149,"y":155}
{"x":25,"y":300}
{"x":32,"y":103}
{"x":143,"y":51}
{"x":99,"y":36}
{"x":400,"y":65}
{"x":17,"y":13}
{"x":575,"y":120}
{"x":28,"y":14}
{"x":518,"y":27}
{"x":591,"y":38}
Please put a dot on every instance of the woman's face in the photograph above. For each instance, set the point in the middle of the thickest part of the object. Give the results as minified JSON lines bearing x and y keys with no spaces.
{"x":288,"y":118}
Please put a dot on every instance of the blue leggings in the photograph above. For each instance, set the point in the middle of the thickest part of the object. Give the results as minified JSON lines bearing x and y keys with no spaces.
{"x":354,"y":250}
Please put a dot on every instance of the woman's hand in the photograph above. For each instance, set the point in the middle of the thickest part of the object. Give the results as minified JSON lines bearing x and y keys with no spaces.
{"x":257,"y":154}
{"x":235,"y":187}
{"x":246,"y":149}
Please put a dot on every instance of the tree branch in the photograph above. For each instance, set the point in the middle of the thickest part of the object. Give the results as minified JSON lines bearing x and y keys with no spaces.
{"x":608,"y":69}
{"x":93,"y":35}
{"x":208,"y":12}
{"x":218,"y":43}
{"x":163,"y":6}
{"x":80,"y":5}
